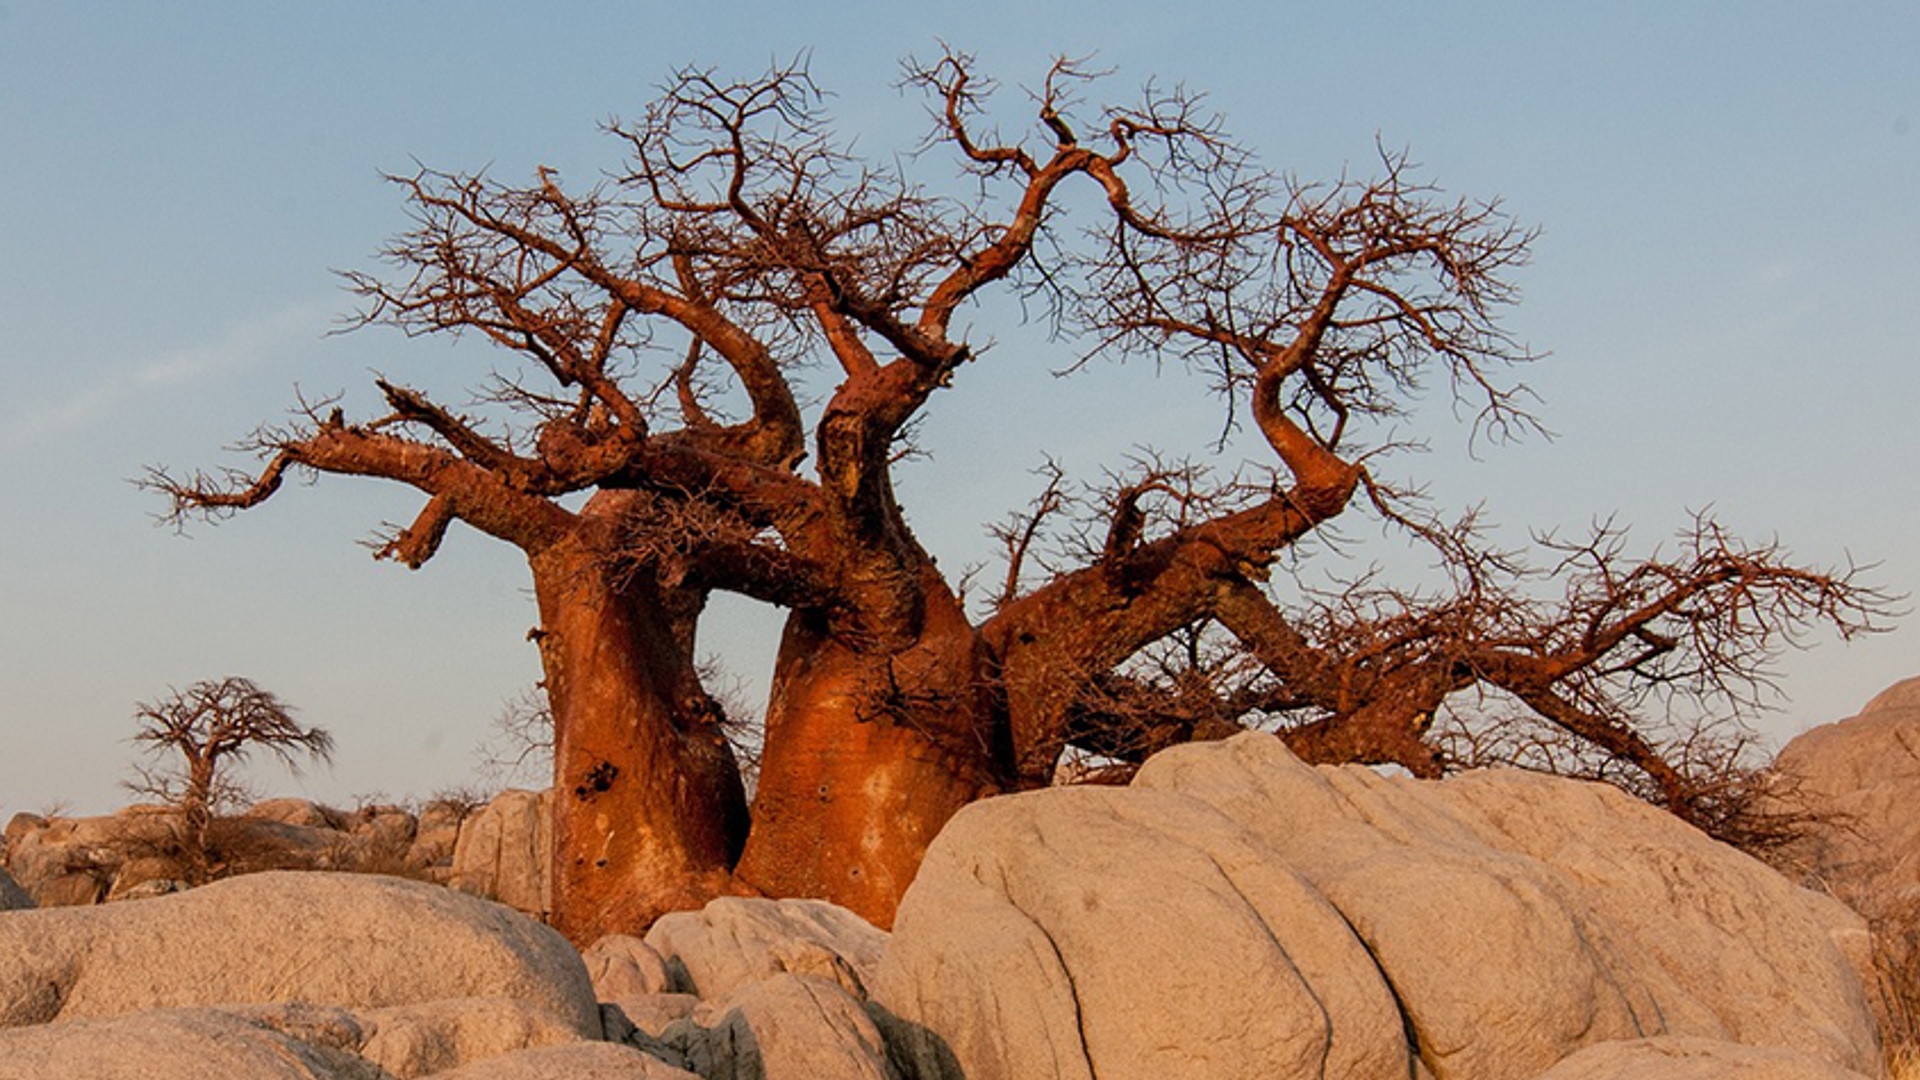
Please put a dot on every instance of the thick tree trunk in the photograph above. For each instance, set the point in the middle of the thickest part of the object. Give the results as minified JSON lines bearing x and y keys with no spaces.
{"x":867,"y":756}
{"x":648,"y":809}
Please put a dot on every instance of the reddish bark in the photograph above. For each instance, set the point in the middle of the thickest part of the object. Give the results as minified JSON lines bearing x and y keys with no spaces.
{"x":649,"y":811}
{"x":866,"y":758}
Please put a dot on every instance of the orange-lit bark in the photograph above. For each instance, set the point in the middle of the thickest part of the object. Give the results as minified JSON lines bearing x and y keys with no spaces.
{"x":649,"y":812}
{"x":867,"y":756}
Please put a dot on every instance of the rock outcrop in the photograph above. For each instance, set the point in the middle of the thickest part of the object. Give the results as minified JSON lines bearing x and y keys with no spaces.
{"x":1854,"y":786}
{"x":623,"y":966}
{"x":435,"y":1036}
{"x":1236,"y":912}
{"x":302,"y":976}
{"x":1859,"y":781}
{"x":505,"y":851}
{"x":1683,"y":1058}
{"x":347,"y":940}
{"x":67,"y":861}
{"x":164,"y":1044}
{"x":477,"y":1039}
{"x":574,"y":1061}
{"x":322,"y":976}
{"x":787,"y":1027}
{"x":12,"y":896}
{"x":734,"y":942}
{"x":138,"y":851}
{"x":749,"y":989}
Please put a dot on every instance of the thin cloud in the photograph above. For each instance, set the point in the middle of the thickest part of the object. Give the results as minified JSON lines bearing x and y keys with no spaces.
{"x":244,"y":345}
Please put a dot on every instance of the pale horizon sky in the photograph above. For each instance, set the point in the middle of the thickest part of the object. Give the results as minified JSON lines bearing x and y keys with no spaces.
{"x":1724,"y":281}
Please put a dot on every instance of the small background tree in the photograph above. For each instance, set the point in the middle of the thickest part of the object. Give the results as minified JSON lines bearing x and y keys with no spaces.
{"x":212,"y":725}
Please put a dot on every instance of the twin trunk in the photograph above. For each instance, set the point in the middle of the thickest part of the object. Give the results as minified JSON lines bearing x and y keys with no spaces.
{"x":865,"y":758}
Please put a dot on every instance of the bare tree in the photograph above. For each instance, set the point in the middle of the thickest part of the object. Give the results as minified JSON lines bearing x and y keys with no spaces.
{"x":1638,"y":672}
{"x":213,"y":725}
{"x":668,"y":323}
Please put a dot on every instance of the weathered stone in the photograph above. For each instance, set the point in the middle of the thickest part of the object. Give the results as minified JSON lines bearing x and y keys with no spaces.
{"x":12,"y":896}
{"x":22,"y":823}
{"x":1688,"y":1058}
{"x":327,"y":1026}
{"x":77,"y":886}
{"x":623,"y":966}
{"x":302,"y":812}
{"x":253,"y":845}
{"x":1109,"y":933}
{"x":75,"y":861}
{"x":1237,"y":912}
{"x":71,"y":861}
{"x":1853,"y":785}
{"x":434,"y":1036}
{"x":505,"y":852}
{"x":1771,"y":964}
{"x":573,"y":1061}
{"x":444,"y":812}
{"x":389,"y":828}
{"x":436,"y":837}
{"x":787,"y":1027}
{"x":426,"y":1038}
{"x":1859,"y":779}
{"x":172,"y":1044}
{"x":136,"y":882}
{"x":138,"y":875}
{"x":355,"y":941}
{"x":1904,"y":694}
{"x":140,"y":850}
{"x":736,"y":941}
{"x":651,"y":1014}
{"x":1598,"y":917}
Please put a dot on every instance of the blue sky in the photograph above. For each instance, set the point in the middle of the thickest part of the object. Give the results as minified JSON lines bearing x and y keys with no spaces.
{"x":1724,"y":279}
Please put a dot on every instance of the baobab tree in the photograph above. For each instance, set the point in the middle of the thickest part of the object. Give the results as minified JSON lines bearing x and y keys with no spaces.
{"x":212,"y":726}
{"x":667,"y":323}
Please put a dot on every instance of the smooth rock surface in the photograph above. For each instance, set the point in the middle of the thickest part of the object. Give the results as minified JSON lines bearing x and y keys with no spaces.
{"x":573,"y":1061}
{"x":434,"y":1036}
{"x":1686,"y":1058}
{"x":354,"y":941}
{"x":172,"y":1044}
{"x":623,"y":966}
{"x":1236,"y":912}
{"x":735,"y":941}
{"x":1113,"y":933}
{"x":788,"y":1027}
{"x":1854,"y":786}
{"x":304,"y":813}
{"x":1618,"y":920}
{"x":1860,"y":779}
{"x":505,"y":851}
{"x":650,"y":1014}
{"x":1730,"y":935}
